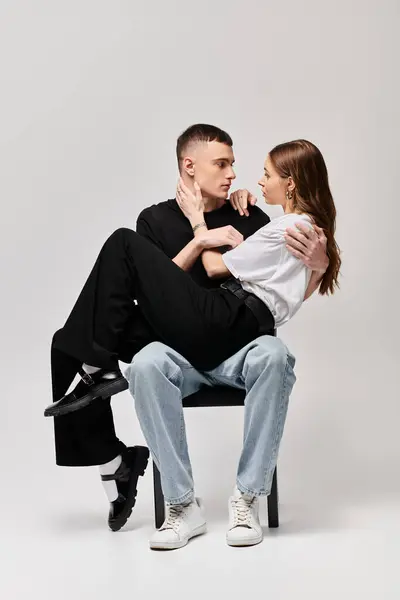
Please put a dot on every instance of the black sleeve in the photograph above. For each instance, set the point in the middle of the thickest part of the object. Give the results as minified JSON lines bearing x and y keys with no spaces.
{"x":257,"y":219}
{"x":146,"y":228}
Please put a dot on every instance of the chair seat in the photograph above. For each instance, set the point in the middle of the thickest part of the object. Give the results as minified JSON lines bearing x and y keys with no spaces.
{"x":216,"y":395}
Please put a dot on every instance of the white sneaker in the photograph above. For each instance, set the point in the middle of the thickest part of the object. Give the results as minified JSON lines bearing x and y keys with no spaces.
{"x":244,"y":522}
{"x":182,"y":523}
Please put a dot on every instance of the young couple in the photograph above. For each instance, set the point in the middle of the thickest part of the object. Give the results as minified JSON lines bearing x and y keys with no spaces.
{"x":190,"y":299}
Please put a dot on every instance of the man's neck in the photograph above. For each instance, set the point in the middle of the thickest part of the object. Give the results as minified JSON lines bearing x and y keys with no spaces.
{"x":211,"y":204}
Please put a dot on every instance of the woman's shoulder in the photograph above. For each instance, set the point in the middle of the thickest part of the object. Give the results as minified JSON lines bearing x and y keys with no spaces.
{"x":276,"y":228}
{"x":289,"y":220}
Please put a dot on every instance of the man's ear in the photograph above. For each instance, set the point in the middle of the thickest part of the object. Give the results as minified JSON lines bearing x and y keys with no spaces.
{"x":188,"y":166}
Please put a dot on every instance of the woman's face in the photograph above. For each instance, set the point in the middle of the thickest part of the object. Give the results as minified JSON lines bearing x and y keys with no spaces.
{"x":273,"y":186}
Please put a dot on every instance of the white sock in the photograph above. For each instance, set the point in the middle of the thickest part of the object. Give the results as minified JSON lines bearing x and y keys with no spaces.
{"x":89,"y":369}
{"x":109,"y":468}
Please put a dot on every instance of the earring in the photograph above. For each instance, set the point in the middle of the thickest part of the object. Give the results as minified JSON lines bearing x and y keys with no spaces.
{"x":289,"y":196}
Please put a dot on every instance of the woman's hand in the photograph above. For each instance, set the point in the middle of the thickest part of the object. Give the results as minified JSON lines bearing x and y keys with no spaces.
{"x":190,"y":203}
{"x":240,"y":200}
{"x":221,"y":236}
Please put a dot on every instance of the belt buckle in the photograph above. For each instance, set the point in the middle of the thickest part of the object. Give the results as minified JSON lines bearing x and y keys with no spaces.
{"x":231,"y":284}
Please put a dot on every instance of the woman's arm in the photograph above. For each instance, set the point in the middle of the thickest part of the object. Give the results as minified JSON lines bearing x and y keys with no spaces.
{"x":212,"y":260}
{"x":204,"y":240}
{"x":214,"y":265}
{"x":186,"y":258}
{"x":214,"y":238}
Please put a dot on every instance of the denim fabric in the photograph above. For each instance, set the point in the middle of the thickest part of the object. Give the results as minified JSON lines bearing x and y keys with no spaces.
{"x":159,"y":378}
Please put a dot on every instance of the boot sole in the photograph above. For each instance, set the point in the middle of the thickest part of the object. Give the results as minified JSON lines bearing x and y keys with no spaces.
{"x":138,"y":469}
{"x":102,"y":390}
{"x":175,"y":545}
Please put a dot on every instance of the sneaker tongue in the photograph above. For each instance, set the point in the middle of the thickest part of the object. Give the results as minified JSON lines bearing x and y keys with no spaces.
{"x":238,"y":494}
{"x":174,"y":514}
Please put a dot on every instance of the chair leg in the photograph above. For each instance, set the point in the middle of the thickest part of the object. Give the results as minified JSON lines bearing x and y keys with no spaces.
{"x":159,"y":507}
{"x":273,"y":513}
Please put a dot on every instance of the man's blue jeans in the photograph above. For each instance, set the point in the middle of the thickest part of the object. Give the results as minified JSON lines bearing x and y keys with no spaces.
{"x":159,"y":378}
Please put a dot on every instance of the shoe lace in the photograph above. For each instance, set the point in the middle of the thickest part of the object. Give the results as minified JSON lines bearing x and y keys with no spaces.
{"x":242,"y":512}
{"x":174,"y":516}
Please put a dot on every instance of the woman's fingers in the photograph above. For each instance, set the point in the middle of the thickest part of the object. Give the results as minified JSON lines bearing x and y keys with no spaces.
{"x":187,"y":194}
{"x":240,"y":200}
{"x":238,"y":206}
{"x":198,"y":193}
{"x":232,"y":200}
{"x":245,"y":201}
{"x":178,"y":189}
{"x":253,"y":200}
{"x":235,"y":200}
{"x":182,"y":187}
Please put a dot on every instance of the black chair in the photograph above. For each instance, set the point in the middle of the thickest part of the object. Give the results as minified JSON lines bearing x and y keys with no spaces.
{"x":214,"y":396}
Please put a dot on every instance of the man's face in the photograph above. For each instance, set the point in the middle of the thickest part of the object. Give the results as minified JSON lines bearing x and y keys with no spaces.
{"x":210,"y":163}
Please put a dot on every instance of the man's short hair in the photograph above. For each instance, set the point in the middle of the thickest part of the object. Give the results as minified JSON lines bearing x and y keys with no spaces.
{"x":200,"y":133}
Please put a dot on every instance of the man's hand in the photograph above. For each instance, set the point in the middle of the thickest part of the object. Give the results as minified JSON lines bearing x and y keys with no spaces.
{"x":191,"y":203}
{"x":221,"y":236}
{"x":309,"y":245}
{"x":240,"y":200}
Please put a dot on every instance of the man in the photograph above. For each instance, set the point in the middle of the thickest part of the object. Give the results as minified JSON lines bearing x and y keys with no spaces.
{"x":87,"y":437}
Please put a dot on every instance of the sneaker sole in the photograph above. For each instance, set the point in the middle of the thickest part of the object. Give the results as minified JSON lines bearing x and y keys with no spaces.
{"x":175,"y":545}
{"x":138,"y":469}
{"x":103,"y":390}
{"x":242,"y":543}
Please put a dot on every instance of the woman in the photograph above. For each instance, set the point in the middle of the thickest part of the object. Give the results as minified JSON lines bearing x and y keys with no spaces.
{"x":206,"y":326}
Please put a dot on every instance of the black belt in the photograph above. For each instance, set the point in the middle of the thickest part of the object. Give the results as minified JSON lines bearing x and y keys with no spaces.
{"x":260,"y":310}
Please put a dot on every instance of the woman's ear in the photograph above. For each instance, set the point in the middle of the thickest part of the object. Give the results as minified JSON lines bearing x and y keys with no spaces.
{"x":291,"y":184}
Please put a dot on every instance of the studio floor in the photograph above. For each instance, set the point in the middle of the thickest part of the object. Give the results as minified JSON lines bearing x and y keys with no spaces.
{"x":58,"y":546}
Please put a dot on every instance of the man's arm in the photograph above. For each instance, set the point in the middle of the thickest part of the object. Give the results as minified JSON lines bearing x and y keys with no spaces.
{"x":309,"y":245}
{"x":313,"y":284}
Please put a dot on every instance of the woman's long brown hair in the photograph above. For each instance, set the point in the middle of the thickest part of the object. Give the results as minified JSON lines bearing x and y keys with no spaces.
{"x":302,"y":161}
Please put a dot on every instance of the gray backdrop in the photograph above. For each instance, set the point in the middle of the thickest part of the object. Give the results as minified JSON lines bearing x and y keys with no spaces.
{"x":93,"y":96}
